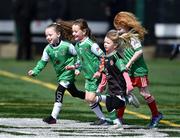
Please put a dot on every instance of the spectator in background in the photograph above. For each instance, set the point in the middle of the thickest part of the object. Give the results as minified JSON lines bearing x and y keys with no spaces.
{"x":175,"y":51}
{"x":23,"y":13}
{"x":57,"y":10}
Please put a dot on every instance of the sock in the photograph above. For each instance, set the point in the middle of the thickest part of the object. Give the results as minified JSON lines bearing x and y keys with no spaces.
{"x":56,"y":109}
{"x":113,"y":117}
{"x":96,"y":109}
{"x":120,"y":112}
{"x":101,"y":98}
{"x":152,"y":105}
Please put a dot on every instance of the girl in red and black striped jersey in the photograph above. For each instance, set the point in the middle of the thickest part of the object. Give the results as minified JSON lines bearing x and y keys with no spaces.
{"x":133,"y":34}
{"x":118,"y":80}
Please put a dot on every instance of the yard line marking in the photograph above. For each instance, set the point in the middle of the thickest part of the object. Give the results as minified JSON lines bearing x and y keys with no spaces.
{"x":53,"y":87}
{"x":28,"y":79}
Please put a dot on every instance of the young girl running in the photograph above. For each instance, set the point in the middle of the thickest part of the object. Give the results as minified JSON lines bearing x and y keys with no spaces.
{"x":119,"y":83}
{"x":88,"y":54}
{"x":133,"y":34}
{"x":61,"y":53}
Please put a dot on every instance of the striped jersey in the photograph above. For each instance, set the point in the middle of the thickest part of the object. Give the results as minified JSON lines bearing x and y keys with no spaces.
{"x":115,"y":67}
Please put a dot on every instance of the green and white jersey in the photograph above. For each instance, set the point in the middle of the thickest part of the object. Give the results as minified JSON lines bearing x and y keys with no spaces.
{"x":60,"y":56}
{"x":88,"y":54}
{"x":139,"y":67}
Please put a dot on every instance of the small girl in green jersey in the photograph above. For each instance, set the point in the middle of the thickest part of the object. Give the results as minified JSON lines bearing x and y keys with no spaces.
{"x":133,"y":34}
{"x":61,"y":53}
{"x":88,"y":54}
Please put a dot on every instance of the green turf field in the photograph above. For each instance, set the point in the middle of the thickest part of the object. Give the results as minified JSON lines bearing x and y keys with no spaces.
{"x":21,"y":97}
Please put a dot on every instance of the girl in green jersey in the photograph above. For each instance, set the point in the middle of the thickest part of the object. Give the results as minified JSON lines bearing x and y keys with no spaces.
{"x":61,"y":53}
{"x":133,"y":34}
{"x":88,"y":61}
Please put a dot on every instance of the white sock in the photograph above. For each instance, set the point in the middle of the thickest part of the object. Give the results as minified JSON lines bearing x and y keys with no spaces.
{"x":116,"y":121}
{"x":56,"y":109}
{"x":101,"y":98}
{"x":95,"y":108}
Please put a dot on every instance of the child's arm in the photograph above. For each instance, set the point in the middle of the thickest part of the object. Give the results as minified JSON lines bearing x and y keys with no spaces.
{"x":98,"y":52}
{"x":136,"y":55}
{"x":101,"y":68}
{"x":128,"y":82}
{"x":137,"y":47}
{"x":72,"y":50}
{"x":40,"y":65}
{"x":122,"y":68}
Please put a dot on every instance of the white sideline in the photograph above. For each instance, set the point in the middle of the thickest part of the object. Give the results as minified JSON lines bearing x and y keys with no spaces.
{"x":35,"y":128}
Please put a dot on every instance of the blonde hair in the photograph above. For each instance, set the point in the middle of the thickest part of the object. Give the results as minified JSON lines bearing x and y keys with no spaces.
{"x":129,"y":20}
{"x":64,"y":28}
{"x":121,"y":41}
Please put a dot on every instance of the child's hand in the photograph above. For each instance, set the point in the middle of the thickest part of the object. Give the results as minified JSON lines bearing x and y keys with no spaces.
{"x":30,"y":72}
{"x":128,"y":66}
{"x":77,"y":72}
{"x":129,"y":89}
{"x":97,"y":74}
{"x":72,"y":67}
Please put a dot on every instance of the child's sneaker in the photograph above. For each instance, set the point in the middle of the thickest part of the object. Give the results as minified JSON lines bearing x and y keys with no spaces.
{"x":116,"y":127}
{"x":132,"y":100}
{"x":100,"y":122}
{"x":49,"y":120}
{"x":155,"y":121}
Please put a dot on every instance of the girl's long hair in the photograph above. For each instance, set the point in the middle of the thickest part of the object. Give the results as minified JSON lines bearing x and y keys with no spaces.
{"x":129,"y":20}
{"x":64,"y":28}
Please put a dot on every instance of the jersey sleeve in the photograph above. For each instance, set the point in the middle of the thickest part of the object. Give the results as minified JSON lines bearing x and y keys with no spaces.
{"x":120,"y":65}
{"x":45,"y":56}
{"x":72,"y":50}
{"x":41,"y":63}
{"x":136,"y":43}
{"x":97,"y":50}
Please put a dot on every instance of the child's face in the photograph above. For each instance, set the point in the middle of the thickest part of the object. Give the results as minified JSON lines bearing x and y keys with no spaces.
{"x":77,"y":33}
{"x":109,"y":45}
{"x":122,"y":29}
{"x":52,"y":36}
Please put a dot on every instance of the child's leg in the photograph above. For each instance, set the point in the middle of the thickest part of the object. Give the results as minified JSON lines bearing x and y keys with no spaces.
{"x":120,"y":112}
{"x":149,"y":100}
{"x":91,"y":99}
{"x":75,"y":92}
{"x":58,"y":102}
{"x":113,"y":103}
{"x":156,"y":115}
{"x":57,"y":105}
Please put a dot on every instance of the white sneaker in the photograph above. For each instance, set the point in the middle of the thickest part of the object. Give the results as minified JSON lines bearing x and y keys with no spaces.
{"x":116,"y":127}
{"x":132,"y":100}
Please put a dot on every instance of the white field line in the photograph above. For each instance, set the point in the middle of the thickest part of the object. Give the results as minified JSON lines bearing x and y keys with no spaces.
{"x":35,"y":128}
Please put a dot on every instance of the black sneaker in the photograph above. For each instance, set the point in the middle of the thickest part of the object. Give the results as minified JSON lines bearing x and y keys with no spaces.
{"x":155,"y":121}
{"x":100,"y":122}
{"x":49,"y":120}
